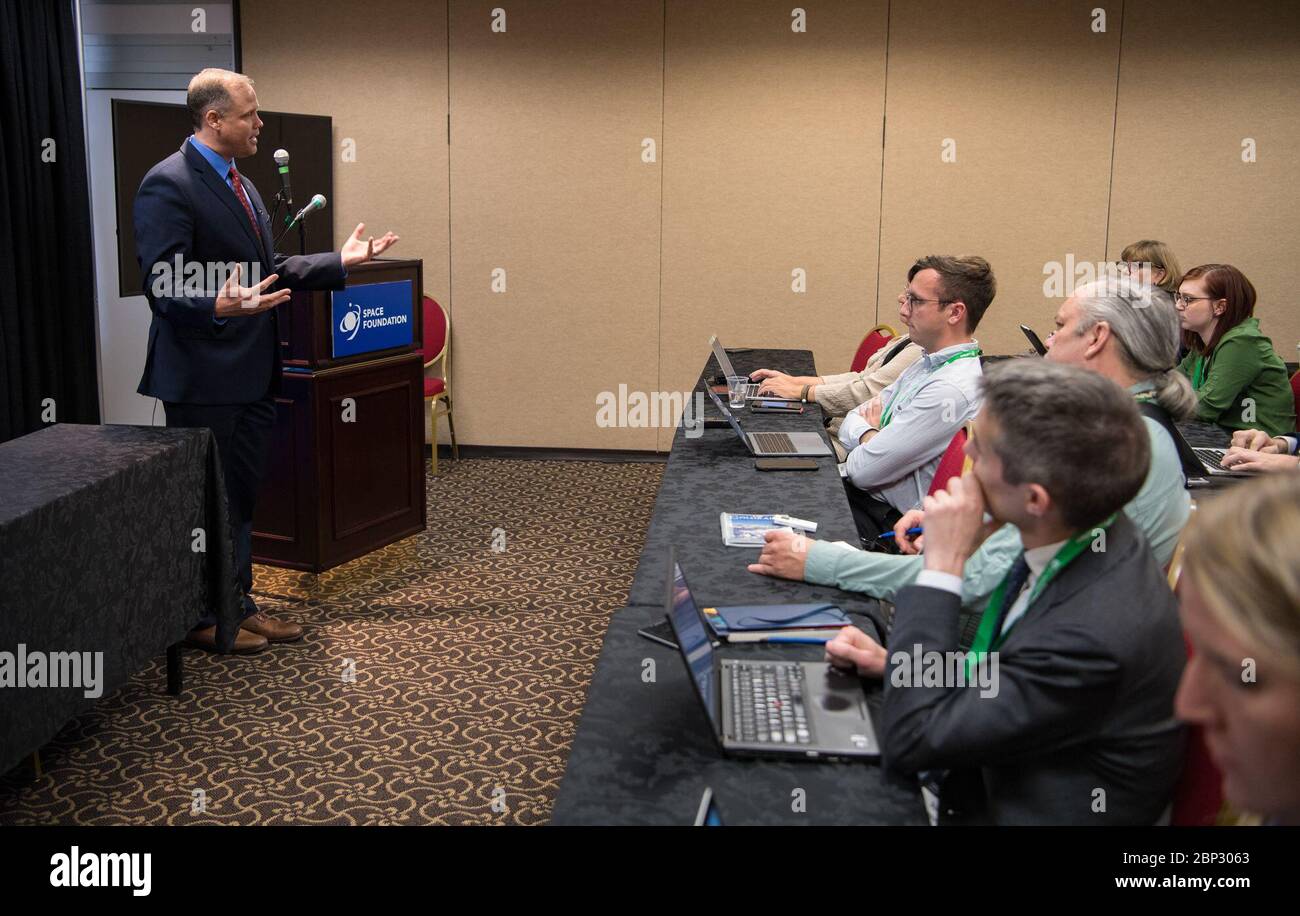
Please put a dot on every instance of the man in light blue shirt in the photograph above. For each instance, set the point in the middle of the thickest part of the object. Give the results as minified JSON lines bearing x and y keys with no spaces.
{"x":1126,"y":333}
{"x":896,"y":440}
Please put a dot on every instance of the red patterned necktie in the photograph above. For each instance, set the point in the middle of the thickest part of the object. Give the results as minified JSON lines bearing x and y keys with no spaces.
{"x":239,"y":192}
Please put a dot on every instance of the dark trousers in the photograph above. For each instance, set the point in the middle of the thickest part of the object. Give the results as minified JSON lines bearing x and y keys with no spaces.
{"x":871,"y":515}
{"x":243,"y":434}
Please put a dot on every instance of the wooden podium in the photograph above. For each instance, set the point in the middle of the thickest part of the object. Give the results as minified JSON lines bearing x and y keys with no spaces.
{"x":346,"y":472}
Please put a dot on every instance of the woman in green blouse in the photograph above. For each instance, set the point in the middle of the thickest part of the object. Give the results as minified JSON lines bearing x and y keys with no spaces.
{"x":1240,"y":382}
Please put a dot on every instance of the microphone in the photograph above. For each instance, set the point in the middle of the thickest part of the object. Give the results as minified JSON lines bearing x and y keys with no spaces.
{"x":281,"y":158}
{"x":317,"y":203}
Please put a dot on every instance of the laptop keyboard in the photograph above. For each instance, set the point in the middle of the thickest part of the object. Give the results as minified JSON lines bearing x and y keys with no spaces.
{"x":773,"y":442}
{"x":1210,"y":458}
{"x":767,"y":704}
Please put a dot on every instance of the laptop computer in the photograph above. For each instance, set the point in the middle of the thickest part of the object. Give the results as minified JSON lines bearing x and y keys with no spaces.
{"x":774,"y":445}
{"x":728,"y":370}
{"x":1211,"y":459}
{"x":766,"y":707}
{"x":1033,"y":340}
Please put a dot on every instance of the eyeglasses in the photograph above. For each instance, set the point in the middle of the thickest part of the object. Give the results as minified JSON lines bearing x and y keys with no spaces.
{"x":1180,"y":299}
{"x":912,"y":302}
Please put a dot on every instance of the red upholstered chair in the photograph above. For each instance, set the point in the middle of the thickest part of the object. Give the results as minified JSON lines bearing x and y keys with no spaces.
{"x":1295,"y":393}
{"x":953,"y":462}
{"x":876,"y":338}
{"x":437,"y":389}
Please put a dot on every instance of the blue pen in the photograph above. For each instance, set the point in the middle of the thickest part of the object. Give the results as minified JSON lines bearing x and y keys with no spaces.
{"x":890,"y":534}
{"x":803,"y":640}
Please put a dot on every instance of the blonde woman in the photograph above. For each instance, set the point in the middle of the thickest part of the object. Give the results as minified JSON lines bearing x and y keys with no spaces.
{"x":1240,"y":606}
{"x":1152,"y":263}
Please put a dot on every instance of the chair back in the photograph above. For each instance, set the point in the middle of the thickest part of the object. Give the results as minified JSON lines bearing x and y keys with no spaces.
{"x":953,"y":462}
{"x":437,"y":331}
{"x":1295,"y":393}
{"x":876,"y":338}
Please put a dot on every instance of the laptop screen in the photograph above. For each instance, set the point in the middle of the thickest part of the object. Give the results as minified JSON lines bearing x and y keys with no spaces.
{"x":731,"y":418}
{"x":693,"y":640}
{"x":720,"y":354}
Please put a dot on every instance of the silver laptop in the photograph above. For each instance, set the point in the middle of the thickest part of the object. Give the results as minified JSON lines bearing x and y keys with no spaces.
{"x":774,"y":445}
{"x":724,"y":363}
{"x":768,"y":707}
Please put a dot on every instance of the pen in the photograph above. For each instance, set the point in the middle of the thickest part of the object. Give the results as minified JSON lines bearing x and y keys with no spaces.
{"x":890,"y":534}
{"x":803,"y":640}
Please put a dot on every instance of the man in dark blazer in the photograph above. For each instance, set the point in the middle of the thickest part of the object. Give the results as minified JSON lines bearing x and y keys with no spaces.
{"x":202,"y":231}
{"x":1069,"y":717}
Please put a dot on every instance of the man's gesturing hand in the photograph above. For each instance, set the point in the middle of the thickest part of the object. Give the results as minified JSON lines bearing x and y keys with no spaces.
{"x":234,"y":300}
{"x":954,"y":525}
{"x":355,"y":251}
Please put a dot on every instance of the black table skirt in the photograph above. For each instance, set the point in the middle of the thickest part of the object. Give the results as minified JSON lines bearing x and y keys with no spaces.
{"x":97,"y":554}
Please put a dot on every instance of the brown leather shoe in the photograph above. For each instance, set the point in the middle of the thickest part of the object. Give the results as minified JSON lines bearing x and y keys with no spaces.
{"x":246,"y":643}
{"x":274,"y":630}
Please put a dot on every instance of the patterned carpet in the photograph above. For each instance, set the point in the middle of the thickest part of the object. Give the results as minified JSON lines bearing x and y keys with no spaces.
{"x":440,"y":680}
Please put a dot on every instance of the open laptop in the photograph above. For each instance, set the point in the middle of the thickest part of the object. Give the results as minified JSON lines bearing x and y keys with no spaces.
{"x":774,"y":445}
{"x":728,"y":370}
{"x":1211,"y":459}
{"x":767,"y":707}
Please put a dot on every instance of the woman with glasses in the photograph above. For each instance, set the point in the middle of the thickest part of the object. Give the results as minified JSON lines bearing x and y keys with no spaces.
{"x":1152,"y":263}
{"x":1240,"y":382}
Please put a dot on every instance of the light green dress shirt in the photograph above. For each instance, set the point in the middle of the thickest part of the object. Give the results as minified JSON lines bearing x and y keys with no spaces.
{"x":1159,"y":510}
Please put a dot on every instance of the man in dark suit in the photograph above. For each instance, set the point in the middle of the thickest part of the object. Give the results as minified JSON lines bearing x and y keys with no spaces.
{"x":214,"y":353}
{"x":1067,"y":716}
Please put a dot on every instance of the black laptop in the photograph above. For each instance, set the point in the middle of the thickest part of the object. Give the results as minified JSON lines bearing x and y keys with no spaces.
{"x":766,"y":707}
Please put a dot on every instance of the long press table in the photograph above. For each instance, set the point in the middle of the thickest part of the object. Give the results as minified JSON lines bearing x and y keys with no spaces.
{"x":643,"y":753}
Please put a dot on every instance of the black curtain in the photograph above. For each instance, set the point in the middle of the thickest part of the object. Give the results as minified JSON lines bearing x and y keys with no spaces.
{"x":47,"y":306}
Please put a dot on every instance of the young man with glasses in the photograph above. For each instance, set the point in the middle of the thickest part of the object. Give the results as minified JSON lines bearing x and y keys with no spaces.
{"x":896,"y":439}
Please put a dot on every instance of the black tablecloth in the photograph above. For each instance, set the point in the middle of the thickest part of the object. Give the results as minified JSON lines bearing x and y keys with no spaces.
{"x":97,"y":554}
{"x":715,"y":473}
{"x":644,"y":755}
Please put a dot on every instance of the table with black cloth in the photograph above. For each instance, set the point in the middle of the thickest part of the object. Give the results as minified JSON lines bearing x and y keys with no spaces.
{"x":643,"y":753}
{"x":98,"y":553}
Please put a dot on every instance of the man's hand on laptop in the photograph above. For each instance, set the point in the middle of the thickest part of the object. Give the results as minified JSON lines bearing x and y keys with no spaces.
{"x":1256,"y":440}
{"x":778,"y":384}
{"x":1244,"y":459}
{"x":851,"y":648}
{"x":784,"y":556}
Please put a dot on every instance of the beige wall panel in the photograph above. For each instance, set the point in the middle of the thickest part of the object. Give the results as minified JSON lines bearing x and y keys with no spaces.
{"x":771,"y":155}
{"x":1027,"y":91}
{"x":547,"y":123}
{"x":386,"y":89}
{"x":1197,"y":79}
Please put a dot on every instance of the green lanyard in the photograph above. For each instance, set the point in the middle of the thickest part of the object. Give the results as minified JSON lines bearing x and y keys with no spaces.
{"x":1198,"y":373}
{"x":985,"y":638}
{"x":911,"y":392}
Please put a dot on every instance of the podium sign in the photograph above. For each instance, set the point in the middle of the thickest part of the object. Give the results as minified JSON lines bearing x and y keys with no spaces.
{"x":371,"y":317}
